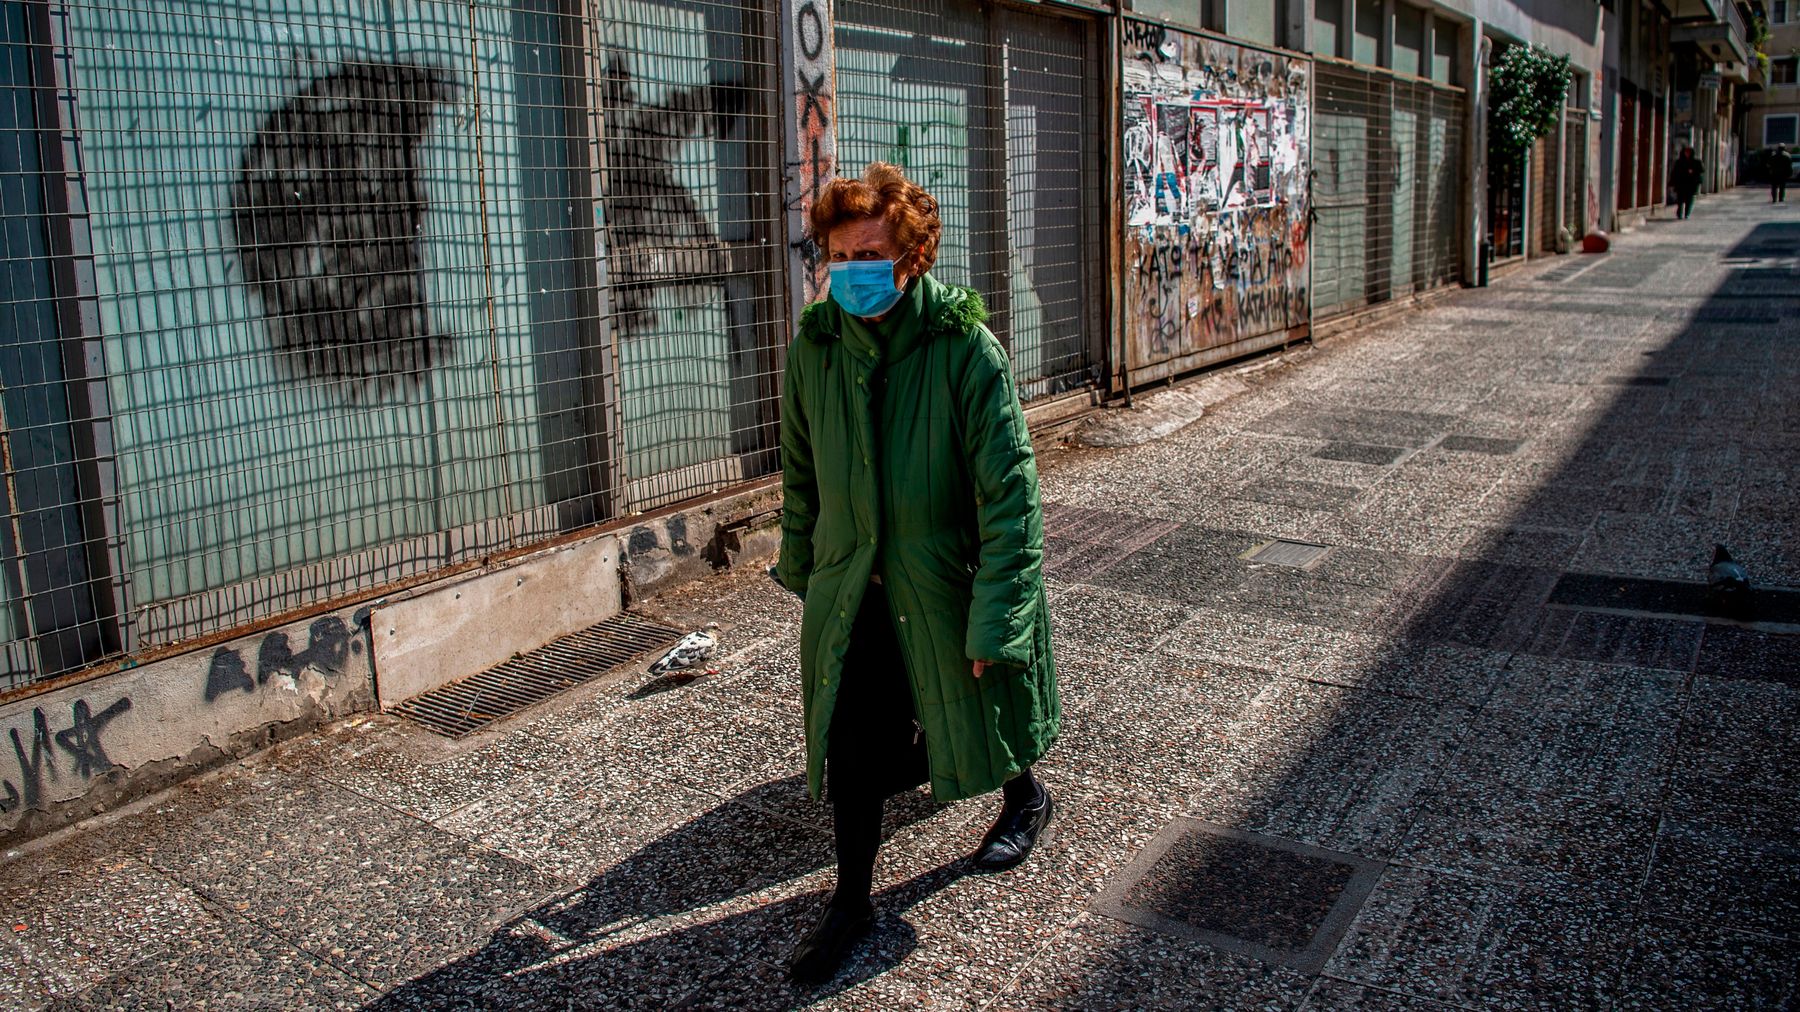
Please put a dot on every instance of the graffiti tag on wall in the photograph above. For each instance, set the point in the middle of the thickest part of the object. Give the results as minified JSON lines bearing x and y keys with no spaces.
{"x":42,"y":753}
{"x":813,"y":107}
{"x":329,"y":211}
{"x":1216,"y":192}
{"x":55,"y":758}
{"x":331,"y":641}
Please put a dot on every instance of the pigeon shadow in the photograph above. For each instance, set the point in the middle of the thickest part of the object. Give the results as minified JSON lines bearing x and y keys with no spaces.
{"x":666,"y":683}
{"x":680,"y":922}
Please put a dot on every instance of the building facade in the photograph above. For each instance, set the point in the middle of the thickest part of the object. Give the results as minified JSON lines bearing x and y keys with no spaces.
{"x":1773,"y":111}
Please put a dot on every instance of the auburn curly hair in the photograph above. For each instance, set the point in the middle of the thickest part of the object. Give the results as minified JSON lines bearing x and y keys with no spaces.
{"x":882,"y":192}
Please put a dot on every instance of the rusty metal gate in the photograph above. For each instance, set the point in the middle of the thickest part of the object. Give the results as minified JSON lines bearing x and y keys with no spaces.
{"x":1543,"y":195}
{"x":1627,"y":130}
{"x":1387,"y":159}
{"x":1575,"y":160}
{"x":992,"y":110}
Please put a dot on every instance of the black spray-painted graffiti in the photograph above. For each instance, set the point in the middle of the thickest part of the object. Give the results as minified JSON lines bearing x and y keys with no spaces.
{"x":81,"y":740}
{"x":329,"y":212}
{"x":330,"y":643}
{"x":658,"y":232}
{"x":1149,"y":41}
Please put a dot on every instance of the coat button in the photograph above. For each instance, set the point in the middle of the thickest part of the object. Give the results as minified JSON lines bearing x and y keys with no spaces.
{"x":859,"y":380}
{"x":843,"y":614}
{"x":903,"y":618}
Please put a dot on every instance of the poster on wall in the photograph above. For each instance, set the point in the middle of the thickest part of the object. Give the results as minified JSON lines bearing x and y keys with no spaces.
{"x":1215,"y":195}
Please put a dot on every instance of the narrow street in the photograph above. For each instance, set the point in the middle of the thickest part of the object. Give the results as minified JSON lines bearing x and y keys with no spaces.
{"x":1487,"y":750}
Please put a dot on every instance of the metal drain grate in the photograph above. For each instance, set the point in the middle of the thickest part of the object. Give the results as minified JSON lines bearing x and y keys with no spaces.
{"x":1674,"y":598}
{"x":1282,"y":552}
{"x":468,"y":705}
{"x":1274,"y":900}
{"x":1361,"y":453}
{"x":1480,"y":444}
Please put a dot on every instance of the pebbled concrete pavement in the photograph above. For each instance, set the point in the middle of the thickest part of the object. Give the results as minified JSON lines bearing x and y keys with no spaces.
{"x":1560,"y":802}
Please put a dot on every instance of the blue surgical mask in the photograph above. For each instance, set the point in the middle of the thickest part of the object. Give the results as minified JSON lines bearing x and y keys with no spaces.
{"x":864,"y":288}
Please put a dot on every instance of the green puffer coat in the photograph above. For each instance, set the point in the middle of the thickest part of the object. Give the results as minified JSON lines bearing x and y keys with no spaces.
{"x":942,"y":496}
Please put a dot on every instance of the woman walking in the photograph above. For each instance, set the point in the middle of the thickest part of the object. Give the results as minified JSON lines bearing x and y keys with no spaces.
{"x":1779,"y":168}
{"x":1684,"y":177}
{"x":911,"y":527}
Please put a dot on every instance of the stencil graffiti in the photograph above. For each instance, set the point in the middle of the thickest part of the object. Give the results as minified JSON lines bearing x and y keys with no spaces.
{"x":80,"y":742}
{"x":1216,"y":192}
{"x":328,"y":212}
{"x":331,"y":641}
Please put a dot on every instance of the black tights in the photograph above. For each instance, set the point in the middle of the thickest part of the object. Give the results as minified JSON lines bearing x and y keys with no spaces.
{"x":876,"y":748}
{"x":856,"y":820}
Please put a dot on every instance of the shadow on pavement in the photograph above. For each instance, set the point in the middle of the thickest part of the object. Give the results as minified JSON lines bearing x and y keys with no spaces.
{"x":700,"y":909}
{"x":1571,"y":806}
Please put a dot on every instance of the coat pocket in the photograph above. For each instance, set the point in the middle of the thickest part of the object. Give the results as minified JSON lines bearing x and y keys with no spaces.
{"x":933,"y":641}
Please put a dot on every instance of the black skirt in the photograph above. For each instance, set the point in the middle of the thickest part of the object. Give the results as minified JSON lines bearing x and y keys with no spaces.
{"x":876,"y":745}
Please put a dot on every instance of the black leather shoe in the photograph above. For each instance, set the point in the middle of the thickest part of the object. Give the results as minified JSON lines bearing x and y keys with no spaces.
{"x":822,"y":950}
{"x":1013,"y":835}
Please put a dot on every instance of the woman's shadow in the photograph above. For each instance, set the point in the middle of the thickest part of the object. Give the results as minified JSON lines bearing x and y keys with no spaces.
{"x":639,"y":934}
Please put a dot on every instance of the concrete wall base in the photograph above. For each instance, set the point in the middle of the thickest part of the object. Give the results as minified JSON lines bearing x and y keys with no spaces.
{"x":95,"y":746}
{"x":92,"y":747}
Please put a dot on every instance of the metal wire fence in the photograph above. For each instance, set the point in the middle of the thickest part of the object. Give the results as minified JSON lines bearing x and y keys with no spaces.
{"x":993,"y":111}
{"x":306,"y":299}
{"x":1386,"y":153}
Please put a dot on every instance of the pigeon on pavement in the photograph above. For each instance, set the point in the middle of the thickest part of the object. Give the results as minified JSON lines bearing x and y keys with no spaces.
{"x":693,"y":650}
{"x":1727,"y":582}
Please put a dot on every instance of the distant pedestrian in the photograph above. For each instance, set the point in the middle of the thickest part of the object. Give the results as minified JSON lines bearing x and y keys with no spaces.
{"x":1779,"y":167}
{"x":911,"y":526}
{"x":1685,"y":177}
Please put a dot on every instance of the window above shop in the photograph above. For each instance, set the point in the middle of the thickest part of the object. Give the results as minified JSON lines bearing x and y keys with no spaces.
{"x":1328,"y":26}
{"x":1409,"y":40}
{"x":1251,"y":20}
{"x":1177,"y":12}
{"x":1365,"y":41}
{"x":1443,"y":51}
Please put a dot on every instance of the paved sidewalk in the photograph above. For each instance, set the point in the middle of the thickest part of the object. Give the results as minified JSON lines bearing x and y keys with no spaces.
{"x":1426,"y":768}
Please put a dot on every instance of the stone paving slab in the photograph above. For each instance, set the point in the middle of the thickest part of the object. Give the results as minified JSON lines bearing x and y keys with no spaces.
{"x":1104,"y":964}
{"x":1676,"y":965}
{"x":224,"y":960}
{"x":1567,"y":807}
{"x":1355,"y":784}
{"x":1486,"y":944}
